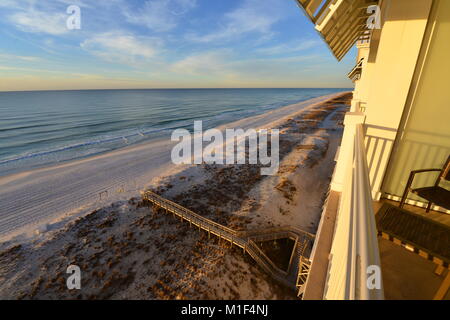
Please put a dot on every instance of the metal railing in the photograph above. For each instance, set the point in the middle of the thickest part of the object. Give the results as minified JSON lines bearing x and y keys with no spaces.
{"x":354,"y":258}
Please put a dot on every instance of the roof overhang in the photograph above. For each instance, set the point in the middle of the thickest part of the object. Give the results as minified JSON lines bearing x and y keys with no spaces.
{"x":341,"y":23}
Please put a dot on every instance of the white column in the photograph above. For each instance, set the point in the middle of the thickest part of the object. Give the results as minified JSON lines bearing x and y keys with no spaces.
{"x":345,"y":151}
{"x":355,"y":104}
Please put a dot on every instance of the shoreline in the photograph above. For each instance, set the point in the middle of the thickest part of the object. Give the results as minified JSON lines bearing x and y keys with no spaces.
{"x":153,"y":134}
{"x":46,"y":195}
{"x":289,"y":108}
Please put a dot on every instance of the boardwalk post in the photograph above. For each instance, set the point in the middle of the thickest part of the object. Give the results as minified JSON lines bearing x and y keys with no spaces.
{"x":294,"y":251}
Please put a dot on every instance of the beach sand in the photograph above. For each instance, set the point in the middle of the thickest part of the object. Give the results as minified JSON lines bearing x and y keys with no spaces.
{"x":126,"y":251}
{"x":56,"y":194}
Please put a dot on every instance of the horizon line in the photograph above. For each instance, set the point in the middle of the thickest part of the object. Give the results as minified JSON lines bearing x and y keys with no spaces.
{"x":215,"y":88}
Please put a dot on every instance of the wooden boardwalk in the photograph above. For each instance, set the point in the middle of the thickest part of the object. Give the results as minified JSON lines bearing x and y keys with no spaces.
{"x":296,"y":274}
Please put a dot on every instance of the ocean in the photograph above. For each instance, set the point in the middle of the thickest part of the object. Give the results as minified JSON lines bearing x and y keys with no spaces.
{"x":42,"y":128}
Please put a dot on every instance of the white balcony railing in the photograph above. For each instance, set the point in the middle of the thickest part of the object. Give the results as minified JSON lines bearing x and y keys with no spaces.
{"x":354,"y":271}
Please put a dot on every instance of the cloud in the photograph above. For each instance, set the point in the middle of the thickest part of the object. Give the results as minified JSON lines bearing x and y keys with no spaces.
{"x":79,"y":3}
{"x":253,"y":16}
{"x":223,"y":64}
{"x":5,"y":56}
{"x":11,"y":4}
{"x":43,"y":16}
{"x":291,"y":47}
{"x":205,"y":63}
{"x":160,"y":15}
{"x":23,"y":4}
{"x":40,"y":22}
{"x":122,"y":47}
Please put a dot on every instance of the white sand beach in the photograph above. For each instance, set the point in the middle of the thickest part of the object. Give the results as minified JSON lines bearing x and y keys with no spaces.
{"x":127,"y":250}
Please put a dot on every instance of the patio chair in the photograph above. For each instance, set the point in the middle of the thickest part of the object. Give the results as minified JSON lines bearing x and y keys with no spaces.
{"x":434,"y":194}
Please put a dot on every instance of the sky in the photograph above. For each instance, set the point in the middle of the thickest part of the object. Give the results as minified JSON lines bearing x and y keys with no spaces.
{"x":164,"y":44}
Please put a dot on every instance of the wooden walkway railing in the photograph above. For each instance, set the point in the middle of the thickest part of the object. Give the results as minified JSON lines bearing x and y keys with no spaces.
{"x":247,"y":240}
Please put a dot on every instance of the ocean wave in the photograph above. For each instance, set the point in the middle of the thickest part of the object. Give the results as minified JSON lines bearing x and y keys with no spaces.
{"x":178,"y":123}
{"x":119,"y":126}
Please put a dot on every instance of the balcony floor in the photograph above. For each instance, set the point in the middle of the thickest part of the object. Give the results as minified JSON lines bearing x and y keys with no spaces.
{"x":406,"y":275}
{"x":440,"y":217}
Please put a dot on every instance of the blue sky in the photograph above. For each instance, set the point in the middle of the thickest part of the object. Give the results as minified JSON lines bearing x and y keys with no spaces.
{"x":163,"y":44}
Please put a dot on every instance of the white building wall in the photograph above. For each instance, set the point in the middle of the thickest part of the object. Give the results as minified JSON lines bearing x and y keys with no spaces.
{"x":391,"y":65}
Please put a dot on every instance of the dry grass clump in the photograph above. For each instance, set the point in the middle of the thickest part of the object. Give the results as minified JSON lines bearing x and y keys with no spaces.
{"x":318,"y":115}
{"x":317,"y":154}
{"x":305,"y":147}
{"x":287,"y":188}
{"x":287,"y":169}
{"x":223,"y":192}
{"x":11,"y":253}
{"x":343,"y":99}
{"x":311,"y":120}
